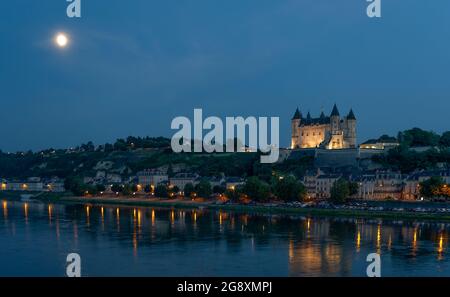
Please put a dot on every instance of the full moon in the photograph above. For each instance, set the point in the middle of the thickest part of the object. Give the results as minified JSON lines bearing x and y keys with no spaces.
{"x":61,"y":40}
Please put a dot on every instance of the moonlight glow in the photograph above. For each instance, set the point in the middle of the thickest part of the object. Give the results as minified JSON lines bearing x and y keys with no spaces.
{"x":61,"y":40}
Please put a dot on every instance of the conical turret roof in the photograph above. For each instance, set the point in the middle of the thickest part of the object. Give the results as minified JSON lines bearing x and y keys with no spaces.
{"x":297,"y":114}
{"x":308,"y":117}
{"x":335,"y":111}
{"x":351,"y":115}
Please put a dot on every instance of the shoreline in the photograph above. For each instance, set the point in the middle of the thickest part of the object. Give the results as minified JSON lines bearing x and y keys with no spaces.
{"x":259,"y":208}
{"x":282,"y":210}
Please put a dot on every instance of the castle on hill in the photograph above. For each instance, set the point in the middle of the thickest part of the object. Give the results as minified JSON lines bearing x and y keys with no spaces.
{"x":328,"y":132}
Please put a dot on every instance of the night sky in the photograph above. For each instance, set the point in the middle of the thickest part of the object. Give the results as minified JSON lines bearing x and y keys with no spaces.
{"x":132,"y":66}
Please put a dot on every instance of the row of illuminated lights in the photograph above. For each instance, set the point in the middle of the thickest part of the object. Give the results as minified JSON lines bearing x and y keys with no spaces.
{"x":24,"y":186}
{"x":140,"y":188}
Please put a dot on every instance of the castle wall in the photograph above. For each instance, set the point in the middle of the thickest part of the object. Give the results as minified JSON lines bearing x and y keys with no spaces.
{"x":312,"y":136}
{"x":336,"y":141}
{"x":336,"y":158}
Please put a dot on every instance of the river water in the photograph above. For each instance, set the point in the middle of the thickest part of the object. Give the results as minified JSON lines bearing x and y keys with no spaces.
{"x":35,"y":239}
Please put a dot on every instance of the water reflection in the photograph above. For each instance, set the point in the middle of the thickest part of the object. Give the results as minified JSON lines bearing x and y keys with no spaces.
{"x":440,"y":247}
{"x":50,"y":211}
{"x":5,"y":210}
{"x":239,"y":244}
{"x":358,"y":241}
{"x":102,"y":212}
{"x":88,"y":223}
{"x":378,"y":238}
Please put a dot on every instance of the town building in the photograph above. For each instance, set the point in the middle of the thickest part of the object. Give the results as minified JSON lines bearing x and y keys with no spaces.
{"x":380,"y":185}
{"x":23,"y":186}
{"x":181,"y":179}
{"x":318,"y":184}
{"x":310,"y":183}
{"x":151,"y":177}
{"x":324,"y":183}
{"x":33,"y":184}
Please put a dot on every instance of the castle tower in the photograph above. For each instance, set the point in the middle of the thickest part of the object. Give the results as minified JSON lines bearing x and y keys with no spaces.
{"x":308,"y":118}
{"x":295,"y":123}
{"x":334,"y":120}
{"x":351,"y":128}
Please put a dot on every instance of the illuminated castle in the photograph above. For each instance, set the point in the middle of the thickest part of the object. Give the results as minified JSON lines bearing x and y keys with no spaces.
{"x":329,"y":132}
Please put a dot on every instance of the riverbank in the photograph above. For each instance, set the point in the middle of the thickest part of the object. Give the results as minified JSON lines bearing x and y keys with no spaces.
{"x":256,"y":208}
{"x":260,"y":208}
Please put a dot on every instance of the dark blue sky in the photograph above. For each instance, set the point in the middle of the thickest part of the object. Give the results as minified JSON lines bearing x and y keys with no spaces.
{"x":134,"y":65}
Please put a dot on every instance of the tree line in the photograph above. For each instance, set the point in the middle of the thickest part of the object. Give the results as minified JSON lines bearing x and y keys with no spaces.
{"x":406,"y":159}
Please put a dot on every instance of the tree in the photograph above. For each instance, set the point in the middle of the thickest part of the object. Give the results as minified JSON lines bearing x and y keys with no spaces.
{"x":116,"y":188}
{"x":127,"y":190}
{"x":161,"y":191}
{"x":88,"y":147}
{"x":203,"y":189}
{"x":387,"y":138}
{"x":71,"y":182}
{"x":100,"y":188}
{"x":289,"y":189}
{"x":406,"y":160}
{"x":445,"y":139}
{"x":418,"y":137}
{"x":234,"y":194}
{"x":147,"y":189}
{"x":353,"y":188}
{"x":76,"y":186}
{"x":170,"y":172}
{"x":431,"y":187}
{"x":256,"y":189}
{"x":219,"y":189}
{"x":340,"y":191}
{"x":188,"y":190}
{"x":120,"y":145}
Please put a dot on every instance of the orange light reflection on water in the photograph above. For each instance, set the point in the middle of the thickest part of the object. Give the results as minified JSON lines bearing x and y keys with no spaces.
{"x":5,"y":209}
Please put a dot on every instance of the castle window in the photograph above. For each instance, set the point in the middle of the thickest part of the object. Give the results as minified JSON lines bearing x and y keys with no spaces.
{"x":307,"y":134}
{"x":314,"y":133}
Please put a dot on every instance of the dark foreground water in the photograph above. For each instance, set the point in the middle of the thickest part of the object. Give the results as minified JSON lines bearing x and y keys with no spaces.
{"x":35,"y":239}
